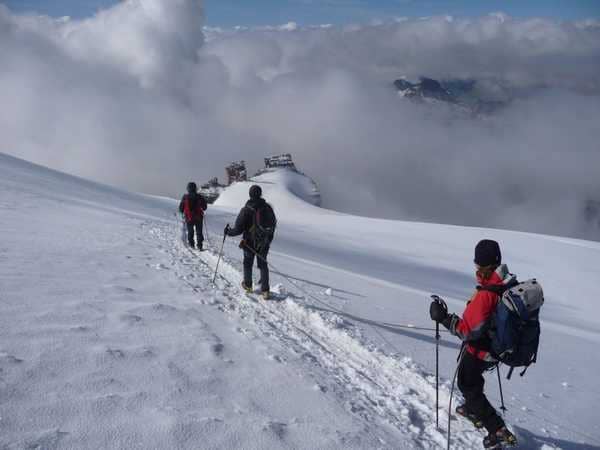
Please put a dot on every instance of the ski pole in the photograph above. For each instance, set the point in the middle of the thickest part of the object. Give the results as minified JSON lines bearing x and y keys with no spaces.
{"x":205,"y":229}
{"x":460,"y":358}
{"x":220,"y":254}
{"x":441,"y":302}
{"x":437,"y":374}
{"x":183,"y":230}
{"x":503,"y":408}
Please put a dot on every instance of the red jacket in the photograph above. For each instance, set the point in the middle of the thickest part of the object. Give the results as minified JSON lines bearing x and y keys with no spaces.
{"x":473,"y":326}
{"x":193,"y":207}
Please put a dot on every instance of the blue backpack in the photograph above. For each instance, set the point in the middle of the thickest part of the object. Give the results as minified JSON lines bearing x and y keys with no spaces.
{"x":515,"y":327}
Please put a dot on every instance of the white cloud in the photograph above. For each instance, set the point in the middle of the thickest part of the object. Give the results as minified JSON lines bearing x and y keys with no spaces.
{"x":136,"y":96}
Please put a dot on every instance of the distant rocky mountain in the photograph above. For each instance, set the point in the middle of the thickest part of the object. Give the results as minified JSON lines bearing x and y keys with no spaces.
{"x":465,"y":95}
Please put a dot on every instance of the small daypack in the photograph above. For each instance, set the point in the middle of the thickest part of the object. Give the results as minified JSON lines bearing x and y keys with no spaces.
{"x":263,"y":226}
{"x":515,"y":327}
{"x":192,"y":208}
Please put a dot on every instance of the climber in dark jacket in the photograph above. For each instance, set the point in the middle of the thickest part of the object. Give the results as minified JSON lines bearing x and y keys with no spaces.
{"x":257,"y":222}
{"x":192,"y":206}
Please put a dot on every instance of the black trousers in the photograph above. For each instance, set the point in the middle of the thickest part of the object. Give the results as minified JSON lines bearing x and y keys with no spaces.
{"x":190,"y":232}
{"x":470,"y":383}
{"x":261,"y":262}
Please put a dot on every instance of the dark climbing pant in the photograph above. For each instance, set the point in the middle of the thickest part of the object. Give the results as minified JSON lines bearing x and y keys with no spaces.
{"x":199,"y":236}
{"x":261,"y":262}
{"x":470,"y":383}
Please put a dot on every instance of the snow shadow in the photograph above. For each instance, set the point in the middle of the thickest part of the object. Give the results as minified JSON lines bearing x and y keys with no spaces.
{"x":399,"y":270}
{"x":424,"y":277}
{"x":532,"y":441}
{"x":314,"y":283}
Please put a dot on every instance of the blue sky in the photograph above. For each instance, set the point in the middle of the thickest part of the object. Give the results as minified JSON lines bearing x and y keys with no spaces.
{"x":265,"y":12}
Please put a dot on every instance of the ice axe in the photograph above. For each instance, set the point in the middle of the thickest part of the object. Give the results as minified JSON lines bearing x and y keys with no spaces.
{"x":442,"y":303}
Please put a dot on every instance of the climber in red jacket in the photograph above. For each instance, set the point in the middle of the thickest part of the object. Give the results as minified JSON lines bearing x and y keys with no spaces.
{"x":192,"y":206}
{"x":473,"y":330}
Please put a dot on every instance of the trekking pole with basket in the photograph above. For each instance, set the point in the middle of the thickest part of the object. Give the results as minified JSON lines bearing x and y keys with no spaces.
{"x":205,"y":229}
{"x":459,"y":361}
{"x":183,"y":230}
{"x":503,"y":408}
{"x":441,"y":302}
{"x":220,"y":255}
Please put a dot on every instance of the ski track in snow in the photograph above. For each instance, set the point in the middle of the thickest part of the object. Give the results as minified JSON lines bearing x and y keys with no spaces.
{"x":379,"y":388}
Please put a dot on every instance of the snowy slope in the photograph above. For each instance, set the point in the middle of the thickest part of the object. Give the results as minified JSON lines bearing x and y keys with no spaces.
{"x":113,"y":336}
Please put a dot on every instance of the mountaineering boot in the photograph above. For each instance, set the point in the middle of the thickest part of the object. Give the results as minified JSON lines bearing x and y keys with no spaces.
{"x":462,"y":411}
{"x":246,"y":288}
{"x":500,"y":439}
{"x":266,"y":295}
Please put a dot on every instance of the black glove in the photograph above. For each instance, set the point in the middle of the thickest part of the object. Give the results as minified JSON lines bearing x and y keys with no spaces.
{"x":438,"y":312}
{"x":226,"y":230}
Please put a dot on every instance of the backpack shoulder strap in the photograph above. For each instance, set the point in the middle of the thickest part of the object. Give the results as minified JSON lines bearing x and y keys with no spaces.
{"x":498,"y":288}
{"x":271,"y":211}
{"x":251,"y":210}
{"x":494,"y":288}
{"x":254,"y":212}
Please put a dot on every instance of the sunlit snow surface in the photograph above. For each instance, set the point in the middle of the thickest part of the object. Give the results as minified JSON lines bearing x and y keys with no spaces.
{"x":286,"y":187}
{"x":113,"y":336}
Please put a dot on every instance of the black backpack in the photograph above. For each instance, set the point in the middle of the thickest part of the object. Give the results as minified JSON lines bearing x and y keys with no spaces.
{"x":263,"y":226}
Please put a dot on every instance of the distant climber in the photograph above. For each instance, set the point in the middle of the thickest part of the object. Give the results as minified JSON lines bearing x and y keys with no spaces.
{"x":257,"y":222}
{"x":493,"y":278}
{"x":192,"y":206}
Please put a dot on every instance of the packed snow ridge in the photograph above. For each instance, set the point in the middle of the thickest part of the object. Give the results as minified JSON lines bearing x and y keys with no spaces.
{"x":278,"y":176}
{"x":112,"y":334}
{"x":282,"y":186}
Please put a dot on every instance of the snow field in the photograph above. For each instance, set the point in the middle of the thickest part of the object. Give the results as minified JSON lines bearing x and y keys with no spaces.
{"x":103,"y":346}
{"x":379,"y":388}
{"x":113,"y":336}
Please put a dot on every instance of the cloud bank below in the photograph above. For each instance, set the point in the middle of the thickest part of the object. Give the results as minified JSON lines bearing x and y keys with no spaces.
{"x":143,"y":97}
